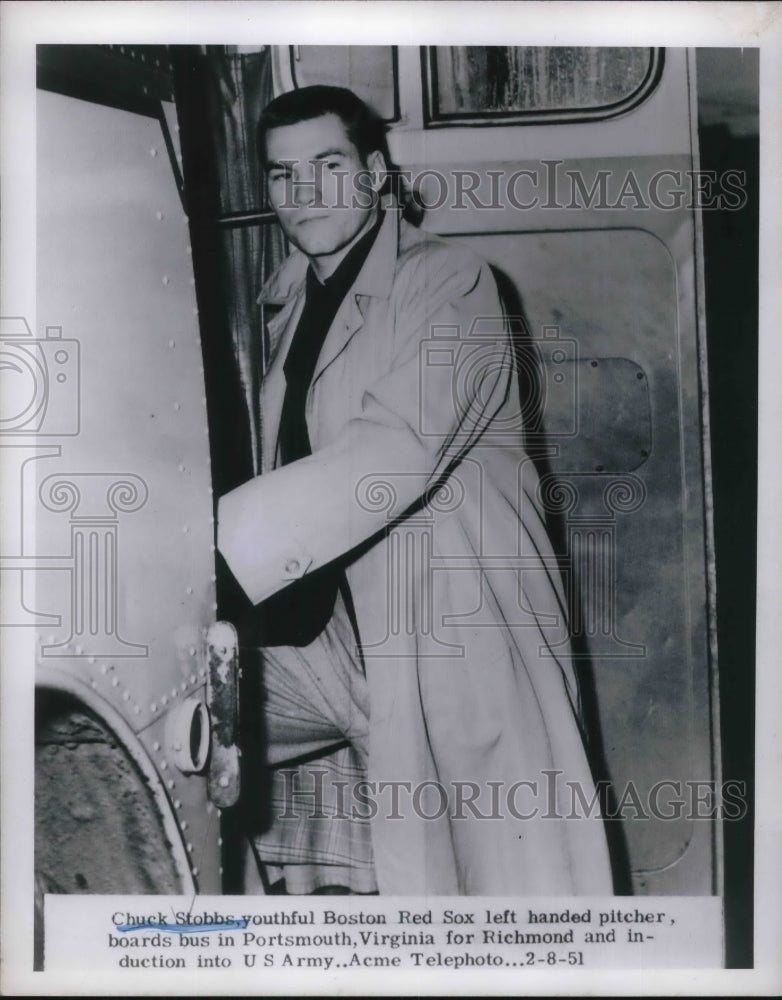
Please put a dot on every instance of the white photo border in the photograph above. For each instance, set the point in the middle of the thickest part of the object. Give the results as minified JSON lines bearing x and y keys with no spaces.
{"x":25,"y":24}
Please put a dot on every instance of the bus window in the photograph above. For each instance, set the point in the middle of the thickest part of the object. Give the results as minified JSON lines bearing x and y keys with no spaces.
{"x":486,"y":83}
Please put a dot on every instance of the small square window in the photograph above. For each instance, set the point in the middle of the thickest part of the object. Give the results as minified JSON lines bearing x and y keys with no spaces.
{"x":368,"y":70}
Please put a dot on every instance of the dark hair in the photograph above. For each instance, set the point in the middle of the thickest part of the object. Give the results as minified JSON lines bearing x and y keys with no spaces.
{"x":363,"y":126}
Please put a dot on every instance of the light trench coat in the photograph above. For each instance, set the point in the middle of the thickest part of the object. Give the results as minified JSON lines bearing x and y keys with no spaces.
{"x":458,"y":599}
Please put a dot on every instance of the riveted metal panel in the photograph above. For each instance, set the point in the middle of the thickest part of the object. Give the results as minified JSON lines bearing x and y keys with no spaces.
{"x":597,"y":410}
{"x":121,"y":547}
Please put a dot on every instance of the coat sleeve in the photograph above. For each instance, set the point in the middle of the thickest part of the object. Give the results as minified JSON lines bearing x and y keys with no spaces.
{"x":449,"y":376}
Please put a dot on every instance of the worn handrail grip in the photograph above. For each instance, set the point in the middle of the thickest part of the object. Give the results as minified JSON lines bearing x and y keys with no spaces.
{"x":222,"y":653}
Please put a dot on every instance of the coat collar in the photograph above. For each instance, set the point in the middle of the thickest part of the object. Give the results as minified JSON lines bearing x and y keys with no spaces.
{"x":376,"y":277}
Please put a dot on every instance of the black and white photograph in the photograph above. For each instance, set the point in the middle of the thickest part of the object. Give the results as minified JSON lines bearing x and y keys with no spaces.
{"x":384,"y":471}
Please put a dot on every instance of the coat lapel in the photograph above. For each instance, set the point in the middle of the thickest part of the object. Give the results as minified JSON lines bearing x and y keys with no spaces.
{"x":375,"y":280}
{"x":347,"y":323}
{"x":278,"y":301}
{"x":281,"y":301}
{"x":284,"y":297}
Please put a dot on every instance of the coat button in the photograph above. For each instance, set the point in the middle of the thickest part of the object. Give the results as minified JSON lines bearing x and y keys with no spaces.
{"x":292,"y":566}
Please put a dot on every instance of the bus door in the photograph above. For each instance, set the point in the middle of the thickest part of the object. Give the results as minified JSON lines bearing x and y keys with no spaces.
{"x":113,"y":458}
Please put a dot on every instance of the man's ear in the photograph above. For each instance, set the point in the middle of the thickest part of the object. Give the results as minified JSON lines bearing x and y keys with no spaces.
{"x":376,"y":165}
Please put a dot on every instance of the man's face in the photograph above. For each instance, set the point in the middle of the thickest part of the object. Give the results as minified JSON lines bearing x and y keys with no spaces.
{"x":322,"y":193}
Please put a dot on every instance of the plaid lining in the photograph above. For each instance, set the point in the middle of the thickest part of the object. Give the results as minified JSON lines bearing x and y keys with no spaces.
{"x":316,"y":698}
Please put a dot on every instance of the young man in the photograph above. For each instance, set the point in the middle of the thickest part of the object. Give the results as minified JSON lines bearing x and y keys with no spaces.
{"x":408,"y":598}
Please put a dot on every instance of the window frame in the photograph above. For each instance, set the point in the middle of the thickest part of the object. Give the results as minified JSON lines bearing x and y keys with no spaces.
{"x":545,"y":116}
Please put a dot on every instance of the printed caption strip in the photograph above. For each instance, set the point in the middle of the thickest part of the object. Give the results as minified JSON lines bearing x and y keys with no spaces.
{"x":112,"y":933}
